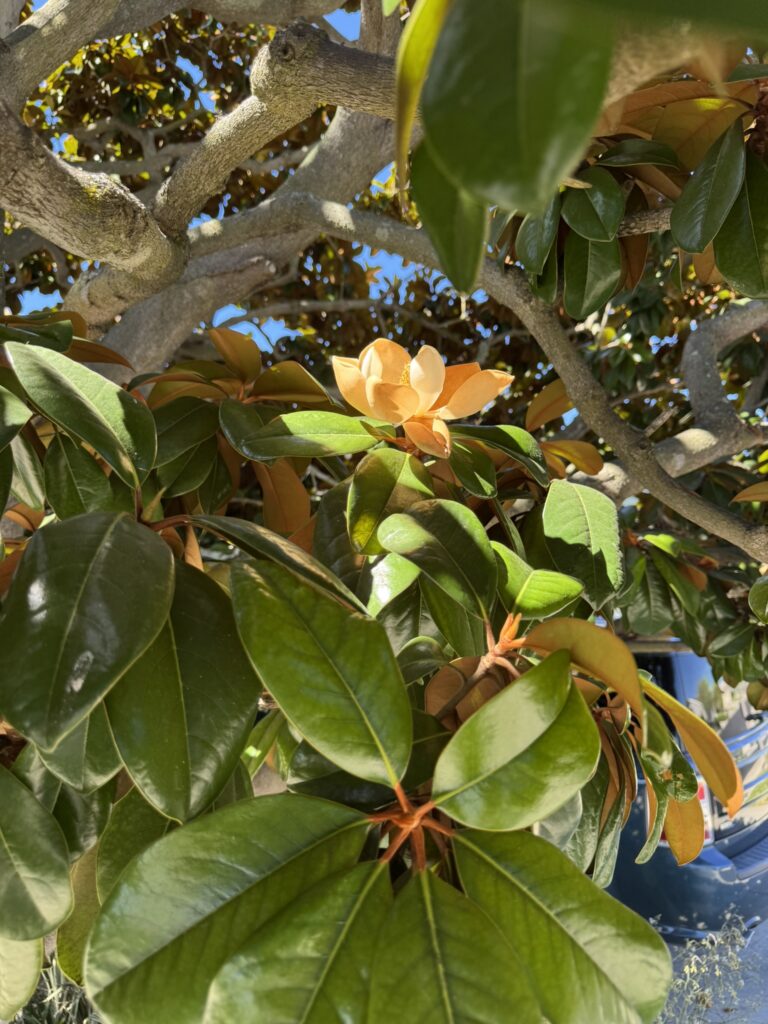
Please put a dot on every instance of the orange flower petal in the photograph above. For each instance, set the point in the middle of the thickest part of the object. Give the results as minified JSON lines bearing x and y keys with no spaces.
{"x":430,"y":436}
{"x":427,"y":372}
{"x":351,"y":383}
{"x":385,"y":359}
{"x":391,"y":402}
{"x":454,"y":378}
{"x":474,"y":394}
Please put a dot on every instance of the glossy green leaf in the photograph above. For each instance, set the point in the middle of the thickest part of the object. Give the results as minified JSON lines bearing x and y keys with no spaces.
{"x":657,"y":797}
{"x":441,"y":960}
{"x":475,"y":470}
{"x":595,"y":212}
{"x":331,"y":932}
{"x":741,"y":245}
{"x":27,"y":483}
{"x":83,"y":816}
{"x":758,"y":598}
{"x":20,"y":966}
{"x":30,"y":769}
{"x":534,"y":593}
{"x":133,"y":826}
{"x":592,"y":272}
{"x":356,"y":710}
{"x":331,"y":543}
{"x":607,"y":850}
{"x":536,"y":236}
{"x":73,"y":935}
{"x":539,"y":65}
{"x":86,"y":758}
{"x":559,"y":827}
{"x":581,"y":847}
{"x":87,"y":405}
{"x":420,"y":657}
{"x":259,"y":542}
{"x":187,"y":471}
{"x":582,"y":535}
{"x":182,"y":713}
{"x":35,"y":894}
{"x":463,"y":629}
{"x":414,"y":53}
{"x":217,"y":488}
{"x":587,"y":956}
{"x":55,"y":334}
{"x":388,"y":577}
{"x":301,"y":435}
{"x":13,"y":415}
{"x":61,"y":651}
{"x":455,"y":221}
{"x":74,"y":481}
{"x":190,"y":901}
{"x":183,"y":424}
{"x":650,"y":610}
{"x":710,"y":192}
{"x":515,"y":442}
{"x":683,"y":589}
{"x":732,"y":639}
{"x":546,"y":284}
{"x":6,"y":479}
{"x":261,"y":740}
{"x":385,"y":481}
{"x":449,"y":545}
{"x":538,"y":728}
{"x":636,"y":152}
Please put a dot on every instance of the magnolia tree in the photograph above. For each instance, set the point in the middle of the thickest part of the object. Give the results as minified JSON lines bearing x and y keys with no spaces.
{"x":387,"y":569}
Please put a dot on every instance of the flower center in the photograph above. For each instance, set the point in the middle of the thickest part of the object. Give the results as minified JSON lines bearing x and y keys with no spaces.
{"x":405,"y":376}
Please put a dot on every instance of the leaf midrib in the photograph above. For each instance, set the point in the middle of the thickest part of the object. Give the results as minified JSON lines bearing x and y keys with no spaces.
{"x":544,"y":909}
{"x":73,"y":613}
{"x":235,"y":896}
{"x":437,"y":958}
{"x":393,"y":777}
{"x":340,"y":939}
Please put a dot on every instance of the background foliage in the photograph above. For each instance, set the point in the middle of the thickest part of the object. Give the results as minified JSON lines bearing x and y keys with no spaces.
{"x":398,"y":583}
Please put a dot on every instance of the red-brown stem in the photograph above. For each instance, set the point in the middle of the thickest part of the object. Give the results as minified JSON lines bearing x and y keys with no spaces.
{"x":490,"y":639}
{"x":402,"y":799}
{"x":395,"y":846}
{"x":419,"y":848}
{"x":425,"y":809}
{"x":437,"y":826}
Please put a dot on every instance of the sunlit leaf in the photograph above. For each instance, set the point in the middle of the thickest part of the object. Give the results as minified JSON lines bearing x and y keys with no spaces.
{"x":290,"y":628}
{"x":190,"y":901}
{"x":537,"y":727}
{"x":79,"y":577}
{"x":85,"y":404}
{"x":547,"y":910}
{"x":448,"y":943}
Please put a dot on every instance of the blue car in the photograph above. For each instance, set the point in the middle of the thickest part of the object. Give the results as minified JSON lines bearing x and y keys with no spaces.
{"x":730,"y":876}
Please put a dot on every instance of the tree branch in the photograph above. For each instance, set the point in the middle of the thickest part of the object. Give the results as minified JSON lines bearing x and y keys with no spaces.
{"x":512,"y":290}
{"x":699,"y":365}
{"x":645,"y":221}
{"x":86,"y":214}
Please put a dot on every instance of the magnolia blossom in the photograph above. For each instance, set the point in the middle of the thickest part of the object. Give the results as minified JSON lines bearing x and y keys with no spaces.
{"x":418,"y":393}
